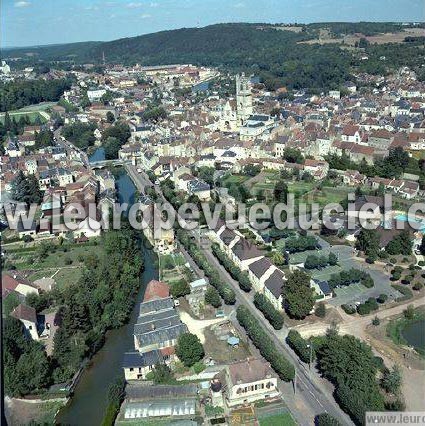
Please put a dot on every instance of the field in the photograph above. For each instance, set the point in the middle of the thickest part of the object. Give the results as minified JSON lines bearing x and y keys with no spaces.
{"x":351,"y":40}
{"x":32,"y":111}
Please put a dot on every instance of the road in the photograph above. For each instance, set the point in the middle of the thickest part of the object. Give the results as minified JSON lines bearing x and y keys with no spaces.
{"x":313,"y":395}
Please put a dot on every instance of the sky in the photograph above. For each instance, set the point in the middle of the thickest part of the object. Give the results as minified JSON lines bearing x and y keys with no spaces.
{"x":39,"y":22}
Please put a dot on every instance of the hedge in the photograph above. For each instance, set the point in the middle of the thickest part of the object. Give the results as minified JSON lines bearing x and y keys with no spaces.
{"x":348,"y":309}
{"x":273,"y":316}
{"x":265,"y":344}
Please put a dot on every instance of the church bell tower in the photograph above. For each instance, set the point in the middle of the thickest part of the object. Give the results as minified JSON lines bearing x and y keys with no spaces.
{"x":243,"y":98}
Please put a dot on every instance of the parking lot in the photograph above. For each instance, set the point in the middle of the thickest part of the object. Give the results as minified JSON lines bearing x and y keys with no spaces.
{"x":325,"y":273}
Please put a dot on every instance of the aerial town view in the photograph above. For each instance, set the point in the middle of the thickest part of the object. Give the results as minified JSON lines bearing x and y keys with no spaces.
{"x":212,"y":212}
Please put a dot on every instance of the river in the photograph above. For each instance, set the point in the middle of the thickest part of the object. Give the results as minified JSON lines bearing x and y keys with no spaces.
{"x":90,"y":399}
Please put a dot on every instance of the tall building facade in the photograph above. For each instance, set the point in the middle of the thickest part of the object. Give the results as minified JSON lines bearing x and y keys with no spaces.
{"x":243,"y":98}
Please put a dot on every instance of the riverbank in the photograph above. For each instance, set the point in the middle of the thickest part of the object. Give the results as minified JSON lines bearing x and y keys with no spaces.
{"x":89,"y":402}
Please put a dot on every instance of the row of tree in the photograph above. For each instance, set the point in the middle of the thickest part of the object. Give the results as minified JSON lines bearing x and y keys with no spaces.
{"x":351,"y":276}
{"x":274,"y":317}
{"x":265,"y":344}
{"x":237,"y":274}
{"x":316,"y":262}
{"x":296,"y":244}
{"x":225,"y":291}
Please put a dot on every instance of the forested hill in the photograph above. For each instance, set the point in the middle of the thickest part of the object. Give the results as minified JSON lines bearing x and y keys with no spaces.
{"x":274,"y":53}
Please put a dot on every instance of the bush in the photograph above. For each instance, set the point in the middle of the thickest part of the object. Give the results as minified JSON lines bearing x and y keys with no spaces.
{"x":198,"y":367}
{"x":348,"y":309}
{"x":382,"y":298}
{"x":67,"y":261}
{"x":418,"y":286}
{"x":367,"y":307}
{"x":320,"y":310}
{"x":274,"y":317}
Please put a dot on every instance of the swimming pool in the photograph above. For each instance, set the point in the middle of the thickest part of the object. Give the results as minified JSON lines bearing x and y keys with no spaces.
{"x":411,"y":220}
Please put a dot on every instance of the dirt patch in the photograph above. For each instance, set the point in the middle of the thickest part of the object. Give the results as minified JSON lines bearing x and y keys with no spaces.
{"x":220,"y":351}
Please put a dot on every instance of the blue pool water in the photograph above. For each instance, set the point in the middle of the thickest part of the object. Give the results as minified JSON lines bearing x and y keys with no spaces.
{"x":411,"y":220}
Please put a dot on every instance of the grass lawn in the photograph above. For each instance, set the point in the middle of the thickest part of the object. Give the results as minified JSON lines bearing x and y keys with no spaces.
{"x":67,"y":276}
{"x":284,"y":419}
{"x":27,"y":260}
{"x":300,"y":187}
{"x":32,"y":115}
{"x":235,"y":179}
{"x":326,"y":196}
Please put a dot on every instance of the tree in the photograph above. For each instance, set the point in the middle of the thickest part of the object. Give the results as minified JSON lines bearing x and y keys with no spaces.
{"x":297,"y":294}
{"x":278,"y":258}
{"x":422,"y":246}
{"x":252,"y":169}
{"x":212,"y":297}
{"x":376,"y":321}
{"x":368,"y":242}
{"x":281,"y":191}
{"x":333,"y":259}
{"x":269,"y":311}
{"x":326,"y":419}
{"x":400,"y":244}
{"x":26,"y":189}
{"x":392,"y":379}
{"x":189,"y":349}
{"x":43,"y":139}
{"x":161,"y":375}
{"x":320,"y":310}
{"x":110,"y":118}
{"x":179,"y":289}
{"x":112,"y":146}
{"x":265,"y":344}
{"x":293,"y":155}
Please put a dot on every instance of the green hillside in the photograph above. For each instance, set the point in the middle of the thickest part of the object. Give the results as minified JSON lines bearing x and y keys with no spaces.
{"x":271,"y":51}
